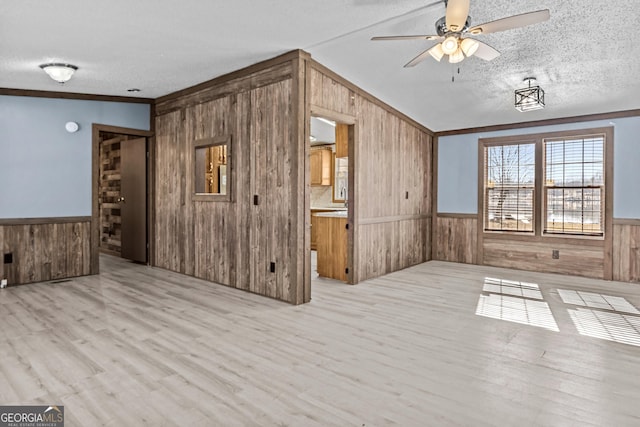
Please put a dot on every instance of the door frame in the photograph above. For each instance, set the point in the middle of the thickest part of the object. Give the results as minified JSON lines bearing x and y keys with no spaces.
{"x":352,"y":207}
{"x":96,"y":129}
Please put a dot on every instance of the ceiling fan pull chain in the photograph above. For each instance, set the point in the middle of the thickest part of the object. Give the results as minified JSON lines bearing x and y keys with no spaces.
{"x":453,"y":75}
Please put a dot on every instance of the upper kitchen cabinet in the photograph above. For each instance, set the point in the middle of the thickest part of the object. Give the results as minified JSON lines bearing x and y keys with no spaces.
{"x":342,"y":140}
{"x":320,"y":165}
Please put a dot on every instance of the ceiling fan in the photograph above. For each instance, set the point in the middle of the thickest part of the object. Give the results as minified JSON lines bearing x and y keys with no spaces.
{"x":454,"y":29}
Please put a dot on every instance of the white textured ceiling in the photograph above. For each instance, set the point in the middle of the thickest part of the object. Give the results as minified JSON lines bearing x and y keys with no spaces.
{"x":585,"y":57}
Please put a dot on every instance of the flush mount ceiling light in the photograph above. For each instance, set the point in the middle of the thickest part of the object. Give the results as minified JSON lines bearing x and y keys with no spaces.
{"x":529,"y":98}
{"x":59,"y":72}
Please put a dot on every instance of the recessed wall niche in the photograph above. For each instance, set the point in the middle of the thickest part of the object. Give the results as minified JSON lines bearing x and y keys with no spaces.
{"x":212,"y":158}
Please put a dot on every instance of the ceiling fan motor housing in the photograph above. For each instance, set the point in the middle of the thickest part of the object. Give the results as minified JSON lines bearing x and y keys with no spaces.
{"x":442,"y":30}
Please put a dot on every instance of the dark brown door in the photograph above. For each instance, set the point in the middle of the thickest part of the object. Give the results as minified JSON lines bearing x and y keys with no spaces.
{"x":133,"y":199}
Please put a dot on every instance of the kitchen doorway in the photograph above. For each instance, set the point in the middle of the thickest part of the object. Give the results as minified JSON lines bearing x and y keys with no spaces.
{"x":331,"y":214}
{"x":120,"y":193}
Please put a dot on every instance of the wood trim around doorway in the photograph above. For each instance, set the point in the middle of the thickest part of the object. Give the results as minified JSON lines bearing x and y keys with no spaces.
{"x":352,"y":218}
{"x":95,"y":177}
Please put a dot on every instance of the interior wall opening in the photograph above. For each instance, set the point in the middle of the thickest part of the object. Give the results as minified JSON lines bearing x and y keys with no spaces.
{"x":330,"y":210}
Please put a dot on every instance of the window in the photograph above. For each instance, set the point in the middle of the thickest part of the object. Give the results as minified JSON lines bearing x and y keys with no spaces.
{"x":510,"y":180}
{"x":546,"y":184}
{"x":212,"y":169}
{"x":340,"y":179}
{"x":574,"y":185}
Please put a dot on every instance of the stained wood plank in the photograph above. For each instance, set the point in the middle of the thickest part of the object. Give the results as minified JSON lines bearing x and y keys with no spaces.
{"x":243,"y":191}
{"x":46,"y":251}
{"x":109,"y":191}
{"x":456,"y":239}
{"x":626,"y":252}
{"x":225,"y":87}
{"x":585,"y":261}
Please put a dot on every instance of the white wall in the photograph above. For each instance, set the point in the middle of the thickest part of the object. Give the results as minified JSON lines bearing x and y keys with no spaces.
{"x":458,"y":166}
{"x":44,"y":170}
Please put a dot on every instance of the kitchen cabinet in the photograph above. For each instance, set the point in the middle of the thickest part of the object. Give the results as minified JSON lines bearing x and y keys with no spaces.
{"x":320,"y":165}
{"x":342,"y":140}
{"x":332,"y":244}
{"x":314,"y":232}
{"x":314,"y":227}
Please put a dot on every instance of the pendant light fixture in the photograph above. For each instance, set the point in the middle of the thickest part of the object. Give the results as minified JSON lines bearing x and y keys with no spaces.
{"x":529,"y":98}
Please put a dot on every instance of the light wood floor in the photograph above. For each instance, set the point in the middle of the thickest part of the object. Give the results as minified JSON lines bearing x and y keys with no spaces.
{"x":434,"y":345}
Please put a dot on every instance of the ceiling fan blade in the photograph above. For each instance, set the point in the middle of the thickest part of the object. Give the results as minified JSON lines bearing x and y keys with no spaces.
{"x":422,"y":37}
{"x":486,"y":52}
{"x":511,"y":22}
{"x":457,"y":14}
{"x":418,"y":59}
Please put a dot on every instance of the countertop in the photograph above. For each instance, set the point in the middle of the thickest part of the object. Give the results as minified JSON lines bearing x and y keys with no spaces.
{"x":319,"y":208}
{"x":338,"y":214}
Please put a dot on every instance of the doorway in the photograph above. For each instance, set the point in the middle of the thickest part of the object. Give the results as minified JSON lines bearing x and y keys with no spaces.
{"x":120,"y":194}
{"x":331,"y":214}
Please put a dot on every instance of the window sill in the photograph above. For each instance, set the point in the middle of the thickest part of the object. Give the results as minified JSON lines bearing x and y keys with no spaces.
{"x":201,"y":197}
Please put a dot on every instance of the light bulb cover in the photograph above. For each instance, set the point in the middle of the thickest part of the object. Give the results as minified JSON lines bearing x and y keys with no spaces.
{"x":59,"y":72}
{"x":456,"y":56}
{"x":469,"y":46}
{"x":450,"y":45}
{"x":436,"y":52}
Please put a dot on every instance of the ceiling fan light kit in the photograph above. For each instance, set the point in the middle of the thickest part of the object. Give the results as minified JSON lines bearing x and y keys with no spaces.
{"x":529,"y":98}
{"x":450,"y":45}
{"x":456,"y":56}
{"x":59,"y":72}
{"x":455,"y":25}
{"x":469,"y":46}
{"x":436,"y":52}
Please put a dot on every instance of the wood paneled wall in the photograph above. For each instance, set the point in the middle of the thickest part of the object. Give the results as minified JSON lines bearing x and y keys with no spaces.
{"x":626,"y":250}
{"x":457,"y":242}
{"x":456,"y":238}
{"x":45,"y":249}
{"x":391,"y":192}
{"x":235,"y":242}
{"x":586,"y":258}
{"x":109,"y":189}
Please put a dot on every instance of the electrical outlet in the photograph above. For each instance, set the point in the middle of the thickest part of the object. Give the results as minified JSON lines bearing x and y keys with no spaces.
{"x":3,"y":283}
{"x":555,"y":254}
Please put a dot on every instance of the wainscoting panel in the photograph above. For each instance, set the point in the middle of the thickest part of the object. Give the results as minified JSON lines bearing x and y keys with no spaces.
{"x":626,"y":250}
{"x":44,"y":249}
{"x":456,"y":238}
